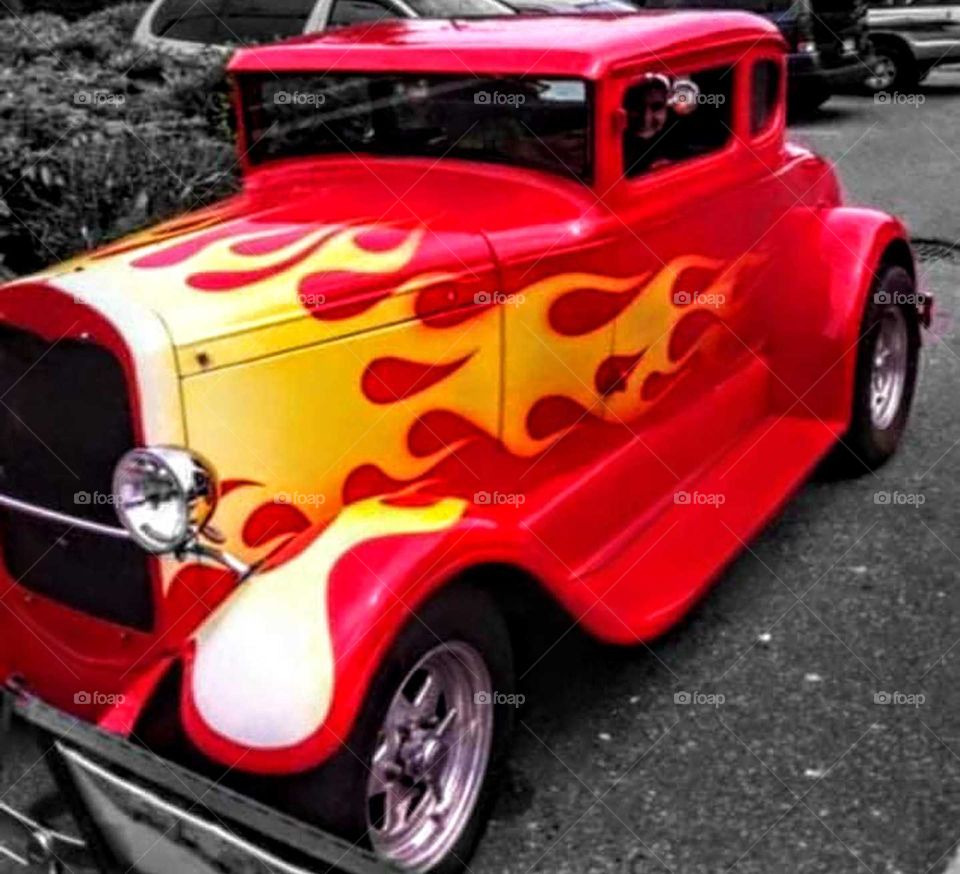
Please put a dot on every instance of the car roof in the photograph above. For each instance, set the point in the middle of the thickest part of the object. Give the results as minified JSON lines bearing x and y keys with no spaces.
{"x":584,"y":46}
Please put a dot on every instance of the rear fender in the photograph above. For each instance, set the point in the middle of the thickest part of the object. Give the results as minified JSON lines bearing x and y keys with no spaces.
{"x":816,"y":321}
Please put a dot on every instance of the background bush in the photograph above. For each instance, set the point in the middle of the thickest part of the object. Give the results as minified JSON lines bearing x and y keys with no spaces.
{"x":99,"y":137}
{"x":68,"y":8}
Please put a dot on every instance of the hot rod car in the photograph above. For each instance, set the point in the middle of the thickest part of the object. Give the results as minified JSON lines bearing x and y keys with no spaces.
{"x":505,"y":311}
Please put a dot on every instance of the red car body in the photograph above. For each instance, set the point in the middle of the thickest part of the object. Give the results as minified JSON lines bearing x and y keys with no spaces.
{"x":645,"y":461}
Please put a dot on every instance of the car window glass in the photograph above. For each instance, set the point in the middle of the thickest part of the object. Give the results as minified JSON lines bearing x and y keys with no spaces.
{"x":764,"y":93}
{"x":543,"y":123}
{"x":187,"y":20}
{"x":670,"y":120}
{"x":346,"y":12}
{"x":264,"y":20}
{"x":459,"y":8}
{"x":232,"y":21}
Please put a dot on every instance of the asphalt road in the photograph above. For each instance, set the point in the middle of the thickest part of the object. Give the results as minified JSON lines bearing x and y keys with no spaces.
{"x":784,"y":761}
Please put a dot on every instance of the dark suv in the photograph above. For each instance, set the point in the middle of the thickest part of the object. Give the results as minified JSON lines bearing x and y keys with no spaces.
{"x":829,"y":47}
{"x":909,"y":40}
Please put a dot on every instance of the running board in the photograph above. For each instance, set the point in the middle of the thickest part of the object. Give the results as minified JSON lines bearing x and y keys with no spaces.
{"x":659,"y":575}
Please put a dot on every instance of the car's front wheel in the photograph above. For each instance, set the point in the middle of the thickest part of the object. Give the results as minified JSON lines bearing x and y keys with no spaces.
{"x":418,"y":777}
{"x":887,"y":358}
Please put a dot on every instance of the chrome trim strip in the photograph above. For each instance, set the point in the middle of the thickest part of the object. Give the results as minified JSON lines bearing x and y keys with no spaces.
{"x":80,"y":764}
{"x":242,"y":569}
{"x":62,"y":518}
{"x":231,"y":562}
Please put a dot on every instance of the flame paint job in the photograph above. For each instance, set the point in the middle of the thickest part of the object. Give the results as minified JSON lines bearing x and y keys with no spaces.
{"x":289,"y":670}
{"x":496,"y":367}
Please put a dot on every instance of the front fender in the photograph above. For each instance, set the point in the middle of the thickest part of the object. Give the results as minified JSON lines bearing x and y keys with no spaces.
{"x":275,"y":678}
{"x":817,"y":317}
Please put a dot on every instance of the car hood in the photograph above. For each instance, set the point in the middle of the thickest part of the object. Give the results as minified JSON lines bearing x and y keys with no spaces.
{"x":329,"y":243}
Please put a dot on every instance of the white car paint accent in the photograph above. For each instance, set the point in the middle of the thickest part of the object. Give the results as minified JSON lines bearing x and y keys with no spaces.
{"x":264,"y":673}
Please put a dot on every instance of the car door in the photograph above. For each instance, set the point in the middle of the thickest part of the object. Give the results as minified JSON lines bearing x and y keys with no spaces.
{"x":688,"y":353}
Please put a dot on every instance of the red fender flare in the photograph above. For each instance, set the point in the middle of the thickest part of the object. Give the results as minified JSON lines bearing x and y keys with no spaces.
{"x":818,"y":319}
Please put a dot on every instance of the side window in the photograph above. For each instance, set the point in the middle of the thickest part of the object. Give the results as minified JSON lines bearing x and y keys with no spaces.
{"x":764,"y":94}
{"x":671,"y":119}
{"x":346,"y":12}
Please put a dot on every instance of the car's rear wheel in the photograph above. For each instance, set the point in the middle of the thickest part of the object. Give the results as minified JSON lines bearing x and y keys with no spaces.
{"x":418,"y":777}
{"x":887,"y":359}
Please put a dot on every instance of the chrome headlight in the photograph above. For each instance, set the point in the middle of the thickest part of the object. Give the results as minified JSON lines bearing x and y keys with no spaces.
{"x":164,"y":496}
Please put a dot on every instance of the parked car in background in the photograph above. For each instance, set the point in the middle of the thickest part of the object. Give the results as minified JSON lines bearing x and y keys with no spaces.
{"x":573,"y":7}
{"x":909,"y":40}
{"x":186,"y":25}
{"x":829,"y":50}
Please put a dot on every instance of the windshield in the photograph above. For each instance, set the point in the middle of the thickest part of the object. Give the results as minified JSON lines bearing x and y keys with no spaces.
{"x":540,"y":123}
{"x":232,"y":21}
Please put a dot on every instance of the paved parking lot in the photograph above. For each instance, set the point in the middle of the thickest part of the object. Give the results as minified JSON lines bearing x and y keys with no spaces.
{"x":822,"y":732}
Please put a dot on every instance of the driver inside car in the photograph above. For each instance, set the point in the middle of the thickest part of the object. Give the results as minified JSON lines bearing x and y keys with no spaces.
{"x":647,"y":107}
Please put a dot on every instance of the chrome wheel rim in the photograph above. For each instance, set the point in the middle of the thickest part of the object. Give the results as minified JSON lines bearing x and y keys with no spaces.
{"x":884,"y":73}
{"x":431,"y":757}
{"x":889,"y":373}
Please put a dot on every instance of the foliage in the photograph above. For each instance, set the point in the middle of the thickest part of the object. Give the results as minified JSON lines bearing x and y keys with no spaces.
{"x":99,"y":137}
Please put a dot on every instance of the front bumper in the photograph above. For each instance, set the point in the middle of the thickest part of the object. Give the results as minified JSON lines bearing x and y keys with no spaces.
{"x":806,"y":70}
{"x":137,"y":812}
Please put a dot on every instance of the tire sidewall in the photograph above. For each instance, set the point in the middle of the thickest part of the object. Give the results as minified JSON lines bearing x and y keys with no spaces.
{"x":334,"y":795}
{"x":872,"y":445}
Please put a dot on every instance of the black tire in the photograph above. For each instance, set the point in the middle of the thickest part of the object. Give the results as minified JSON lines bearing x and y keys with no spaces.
{"x":901,"y":71}
{"x":333,"y":796}
{"x":866,"y":446}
